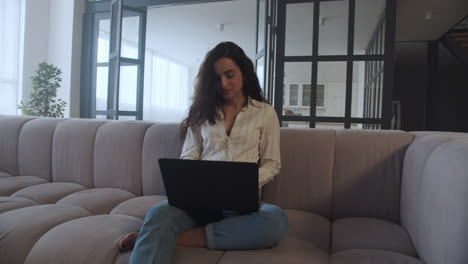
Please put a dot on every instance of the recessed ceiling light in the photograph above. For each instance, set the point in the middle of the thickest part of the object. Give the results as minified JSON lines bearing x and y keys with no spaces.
{"x":428,"y":15}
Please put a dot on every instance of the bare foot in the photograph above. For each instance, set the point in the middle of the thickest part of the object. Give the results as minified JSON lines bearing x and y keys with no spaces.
{"x":127,"y":242}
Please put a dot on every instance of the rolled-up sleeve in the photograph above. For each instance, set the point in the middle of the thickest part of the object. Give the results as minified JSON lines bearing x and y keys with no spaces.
{"x":270,"y":160}
{"x":193,"y":144}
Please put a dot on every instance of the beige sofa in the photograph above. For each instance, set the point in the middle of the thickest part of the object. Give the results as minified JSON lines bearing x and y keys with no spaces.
{"x":71,"y":188}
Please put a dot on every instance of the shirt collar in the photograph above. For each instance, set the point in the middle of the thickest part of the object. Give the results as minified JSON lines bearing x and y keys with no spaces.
{"x":252,"y":102}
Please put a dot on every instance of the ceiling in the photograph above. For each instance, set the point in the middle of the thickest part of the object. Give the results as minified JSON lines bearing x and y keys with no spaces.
{"x":411,"y":22}
{"x":413,"y":30}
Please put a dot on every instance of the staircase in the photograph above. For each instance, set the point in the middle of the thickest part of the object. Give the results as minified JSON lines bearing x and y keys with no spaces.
{"x":456,"y":40}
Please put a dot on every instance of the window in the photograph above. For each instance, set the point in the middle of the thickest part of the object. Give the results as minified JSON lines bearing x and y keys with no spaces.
{"x":299,"y":95}
{"x":293,"y":91}
{"x":9,"y":52}
{"x":320,"y":96}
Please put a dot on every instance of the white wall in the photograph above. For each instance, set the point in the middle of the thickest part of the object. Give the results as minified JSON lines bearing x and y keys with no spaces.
{"x":52,"y":33}
{"x":36,"y":40}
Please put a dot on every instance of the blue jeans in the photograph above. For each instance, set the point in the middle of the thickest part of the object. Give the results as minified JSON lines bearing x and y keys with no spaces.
{"x":164,"y":224}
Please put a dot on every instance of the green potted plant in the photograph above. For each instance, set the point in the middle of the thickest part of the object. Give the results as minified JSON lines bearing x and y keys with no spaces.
{"x":43,"y":100}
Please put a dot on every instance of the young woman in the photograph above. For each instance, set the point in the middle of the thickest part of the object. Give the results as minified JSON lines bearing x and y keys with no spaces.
{"x":228,"y":120}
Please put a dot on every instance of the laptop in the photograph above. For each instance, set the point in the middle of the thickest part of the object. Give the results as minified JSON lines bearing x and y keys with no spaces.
{"x":205,"y":188}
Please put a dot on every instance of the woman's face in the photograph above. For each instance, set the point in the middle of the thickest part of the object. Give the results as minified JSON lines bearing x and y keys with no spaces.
{"x":230,"y":79}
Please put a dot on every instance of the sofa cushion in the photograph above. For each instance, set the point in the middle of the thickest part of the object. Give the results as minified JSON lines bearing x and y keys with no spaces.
{"x":8,"y":203}
{"x":10,"y":128}
{"x":73,"y":151}
{"x":48,"y":193}
{"x":10,"y":185}
{"x":35,"y":147}
{"x":139,"y":206}
{"x":370,"y":256}
{"x":98,"y":200}
{"x":4,"y":174}
{"x":21,"y":228}
{"x":370,"y":233}
{"x":434,"y":197}
{"x":117,"y":155}
{"x":367,"y":173}
{"x":90,"y":239}
{"x":161,"y":141}
{"x":309,"y":227}
{"x":305,"y":179}
{"x":290,"y":250}
{"x":184,"y":255}
{"x":194,"y":255}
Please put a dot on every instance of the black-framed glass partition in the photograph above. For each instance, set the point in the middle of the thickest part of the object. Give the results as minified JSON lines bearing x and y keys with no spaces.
{"x":334,"y":63}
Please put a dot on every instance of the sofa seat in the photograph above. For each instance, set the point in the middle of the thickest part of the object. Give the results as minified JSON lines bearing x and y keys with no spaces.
{"x":8,"y":203}
{"x":290,"y":250}
{"x":370,"y":256}
{"x":308,"y":239}
{"x":49,"y":193}
{"x":97,"y":237}
{"x":370,"y":233}
{"x":90,"y":239}
{"x":4,"y":174}
{"x":45,"y":193}
{"x":10,"y":185}
{"x":309,"y":227}
{"x":20,"y":229}
{"x":184,"y":255}
{"x":97,"y":200}
{"x":138,"y":206}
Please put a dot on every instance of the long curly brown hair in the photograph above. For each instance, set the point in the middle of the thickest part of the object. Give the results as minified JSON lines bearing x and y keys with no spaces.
{"x":207,"y":100}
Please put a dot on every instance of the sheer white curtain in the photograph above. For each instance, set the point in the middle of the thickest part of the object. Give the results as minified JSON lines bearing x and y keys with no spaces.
{"x":102,"y":71}
{"x":10,"y":14}
{"x":167,"y":89}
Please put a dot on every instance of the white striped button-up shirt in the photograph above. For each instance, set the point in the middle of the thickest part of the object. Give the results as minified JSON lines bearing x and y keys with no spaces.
{"x":255,"y":137}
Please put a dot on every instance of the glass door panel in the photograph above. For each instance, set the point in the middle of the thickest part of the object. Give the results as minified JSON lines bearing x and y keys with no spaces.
{"x":297,"y":89}
{"x":333,"y":28}
{"x":299,"y":21}
{"x":369,"y":27}
{"x":331,"y":78}
{"x":103,"y":40}
{"x":128,"y":88}
{"x":126,"y":61}
{"x":130,"y":36}
{"x":101,"y":68}
{"x":261,"y":72}
{"x":266,"y":43}
{"x":101,"y":87}
{"x":261,"y":16}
